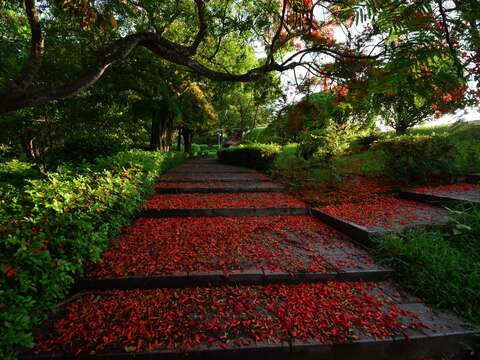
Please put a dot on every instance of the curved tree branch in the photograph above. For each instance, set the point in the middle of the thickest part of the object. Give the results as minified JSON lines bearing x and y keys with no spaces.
{"x":277,"y":33}
{"x":202,"y":26}
{"x":18,"y":97}
{"x":33,"y":63}
{"x":162,"y":47}
{"x":448,"y":38}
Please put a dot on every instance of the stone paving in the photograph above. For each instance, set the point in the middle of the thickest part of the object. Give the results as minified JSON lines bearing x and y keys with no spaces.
{"x":267,"y":286}
{"x":449,"y":193}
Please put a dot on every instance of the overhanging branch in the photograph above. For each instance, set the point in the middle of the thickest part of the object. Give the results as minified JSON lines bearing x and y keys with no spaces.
{"x":18,"y":97}
{"x":33,"y":63}
{"x":202,"y":26}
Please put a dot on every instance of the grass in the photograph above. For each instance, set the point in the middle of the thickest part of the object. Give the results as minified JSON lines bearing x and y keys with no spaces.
{"x":440,"y":266}
{"x":370,"y":161}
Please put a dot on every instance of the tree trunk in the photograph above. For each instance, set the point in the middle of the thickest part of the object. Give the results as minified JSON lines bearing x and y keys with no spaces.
{"x":187,"y":135}
{"x":167,"y":139}
{"x":161,"y":132}
{"x":29,"y":149}
{"x":179,"y":141}
{"x":155,"y":133}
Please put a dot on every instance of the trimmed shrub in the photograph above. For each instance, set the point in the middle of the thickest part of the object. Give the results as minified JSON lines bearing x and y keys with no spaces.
{"x":323,"y":144}
{"x":255,"y":156}
{"x":211,"y":153}
{"x":196,"y":149}
{"x":420,"y":158}
{"x":55,"y":223}
{"x":288,"y":166}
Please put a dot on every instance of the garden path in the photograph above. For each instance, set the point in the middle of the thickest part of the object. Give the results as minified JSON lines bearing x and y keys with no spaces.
{"x":222,"y":263}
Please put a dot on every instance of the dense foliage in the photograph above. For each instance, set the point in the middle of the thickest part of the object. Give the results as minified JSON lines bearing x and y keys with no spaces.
{"x":419,"y":158}
{"x":426,"y":154}
{"x":52,"y":223}
{"x":255,"y":156}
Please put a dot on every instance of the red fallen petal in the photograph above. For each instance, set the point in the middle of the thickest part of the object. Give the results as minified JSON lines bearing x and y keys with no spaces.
{"x":327,"y":312}
{"x":383,"y":211}
{"x":352,"y":189}
{"x":9,"y":271}
{"x":164,"y":246}
{"x":240,"y":200}
{"x":447,"y":189}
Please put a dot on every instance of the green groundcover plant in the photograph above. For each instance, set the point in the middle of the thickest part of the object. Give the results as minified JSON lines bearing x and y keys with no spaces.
{"x":53,"y":223}
{"x":441,"y":266}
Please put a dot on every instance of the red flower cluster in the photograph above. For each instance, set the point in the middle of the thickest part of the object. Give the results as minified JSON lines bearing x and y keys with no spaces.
{"x":182,"y":319}
{"x":387,"y":212}
{"x":277,"y":243}
{"x":215,"y":201}
{"x":215,"y":184}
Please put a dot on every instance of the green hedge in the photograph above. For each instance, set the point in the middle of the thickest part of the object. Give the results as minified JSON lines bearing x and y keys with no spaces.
{"x":52,"y":225}
{"x":419,"y":158}
{"x":256,"y":156}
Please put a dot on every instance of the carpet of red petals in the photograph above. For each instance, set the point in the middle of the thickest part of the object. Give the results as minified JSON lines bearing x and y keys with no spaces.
{"x":216,"y":184}
{"x":215,"y":176}
{"x":215,"y":201}
{"x":465,"y":189}
{"x":387,"y":212}
{"x":182,"y":319}
{"x":352,"y":189}
{"x":275,"y":243}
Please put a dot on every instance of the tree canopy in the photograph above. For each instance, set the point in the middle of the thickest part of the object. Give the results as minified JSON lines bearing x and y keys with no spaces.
{"x":92,"y":35}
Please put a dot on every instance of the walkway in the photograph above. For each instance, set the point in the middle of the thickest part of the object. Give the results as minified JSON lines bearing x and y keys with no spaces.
{"x":222,"y":263}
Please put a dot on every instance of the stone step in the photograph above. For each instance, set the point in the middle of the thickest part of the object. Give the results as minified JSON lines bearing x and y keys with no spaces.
{"x":235,"y":277}
{"x":218,"y":201}
{"x":359,"y":234}
{"x":225,"y":212}
{"x":220,"y":249}
{"x":214,"y":177}
{"x":331,"y":320}
{"x":462,"y":193}
{"x":203,"y":179}
{"x":219,"y":190}
{"x":366,"y":220}
{"x":209,"y":170}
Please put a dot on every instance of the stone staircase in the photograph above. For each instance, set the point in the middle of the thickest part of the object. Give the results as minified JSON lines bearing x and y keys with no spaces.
{"x":221,"y":263}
